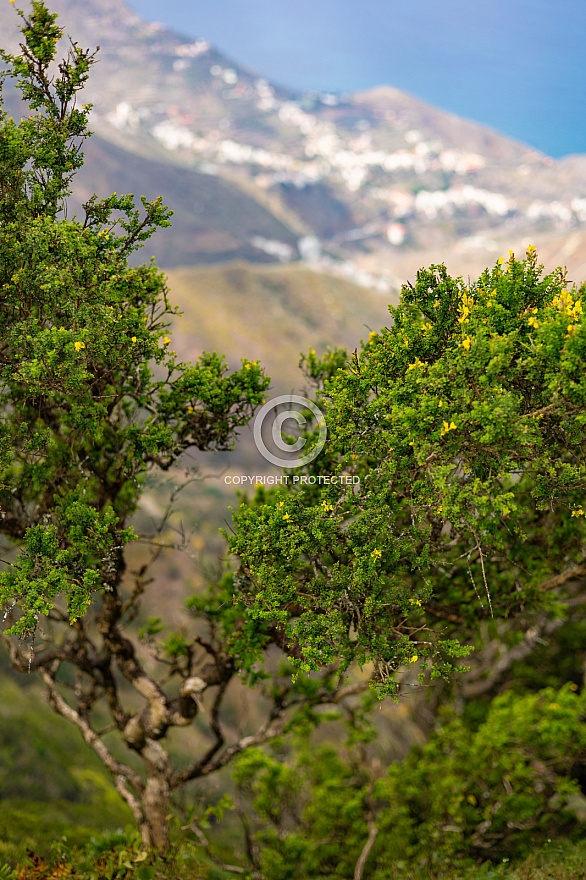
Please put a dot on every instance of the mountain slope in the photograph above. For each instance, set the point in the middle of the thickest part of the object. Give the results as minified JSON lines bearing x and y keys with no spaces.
{"x":214,"y":220}
{"x":270,"y":313}
{"x":377,"y":180}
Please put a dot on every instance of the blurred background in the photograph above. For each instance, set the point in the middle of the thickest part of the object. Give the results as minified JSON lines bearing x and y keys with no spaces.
{"x":317,"y":154}
{"x":514,"y":65}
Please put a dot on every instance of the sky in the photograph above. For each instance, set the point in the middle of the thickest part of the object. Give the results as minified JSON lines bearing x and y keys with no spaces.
{"x":517,"y":66}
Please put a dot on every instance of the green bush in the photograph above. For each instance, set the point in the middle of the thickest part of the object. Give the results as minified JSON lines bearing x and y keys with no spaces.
{"x":489,"y":793}
{"x":310,"y":816}
{"x":493,"y":791}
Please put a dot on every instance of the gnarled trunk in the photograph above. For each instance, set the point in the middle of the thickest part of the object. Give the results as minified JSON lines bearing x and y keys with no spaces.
{"x":156,"y":801}
{"x":155,"y":798}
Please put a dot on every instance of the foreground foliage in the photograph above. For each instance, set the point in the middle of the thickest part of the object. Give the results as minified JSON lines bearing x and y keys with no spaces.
{"x":464,"y":422}
{"x":93,"y":404}
{"x":115,"y":859}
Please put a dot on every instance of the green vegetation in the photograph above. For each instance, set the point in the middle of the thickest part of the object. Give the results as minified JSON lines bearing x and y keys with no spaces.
{"x":51,"y":784}
{"x":464,"y":423}
{"x":465,"y":794}
{"x":96,"y":404}
{"x":462,"y":542}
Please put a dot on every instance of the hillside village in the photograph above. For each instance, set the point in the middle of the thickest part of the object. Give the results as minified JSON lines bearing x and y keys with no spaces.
{"x":347,"y":160}
{"x":367,"y":186}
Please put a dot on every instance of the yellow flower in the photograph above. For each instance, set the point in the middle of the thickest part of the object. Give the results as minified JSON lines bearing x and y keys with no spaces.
{"x":134,"y":338}
{"x":578,"y":512}
{"x":451,"y":426}
{"x":466,"y":343}
{"x":376,"y":553}
{"x":415,"y":602}
{"x":166,"y":340}
{"x":533,"y":322}
{"x":286,"y":516}
{"x":466,"y":306}
{"x":79,"y":345}
{"x":440,"y":403}
{"x":413,"y":659}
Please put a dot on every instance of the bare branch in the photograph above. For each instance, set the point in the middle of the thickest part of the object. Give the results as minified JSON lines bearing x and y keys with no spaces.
{"x":496,"y":658}
{"x":121,"y":772}
{"x":372,"y":832}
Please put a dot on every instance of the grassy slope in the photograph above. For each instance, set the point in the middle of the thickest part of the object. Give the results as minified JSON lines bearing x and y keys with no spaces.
{"x":51,"y":784}
{"x":271,"y":313}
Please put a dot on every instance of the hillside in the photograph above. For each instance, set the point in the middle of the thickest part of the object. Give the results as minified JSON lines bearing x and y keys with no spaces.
{"x":214,"y":220}
{"x":373,"y":182}
{"x":270,"y":313}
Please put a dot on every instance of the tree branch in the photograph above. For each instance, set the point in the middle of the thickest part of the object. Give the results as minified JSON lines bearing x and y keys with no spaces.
{"x":122,"y":774}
